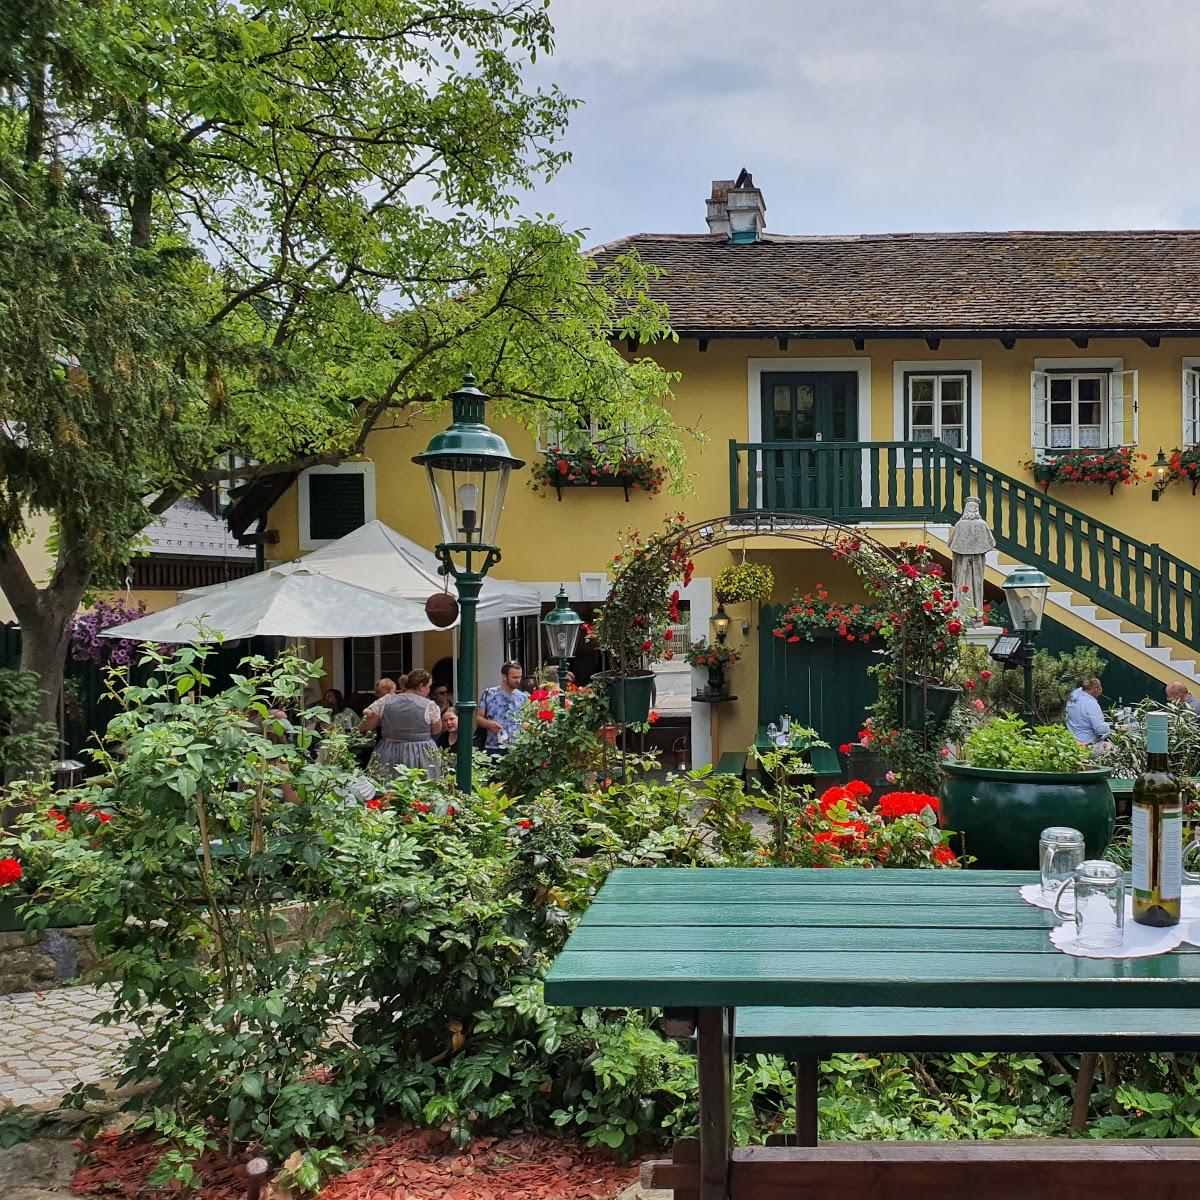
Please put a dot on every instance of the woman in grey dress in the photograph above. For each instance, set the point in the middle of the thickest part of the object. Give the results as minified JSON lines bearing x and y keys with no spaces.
{"x":408,"y":721}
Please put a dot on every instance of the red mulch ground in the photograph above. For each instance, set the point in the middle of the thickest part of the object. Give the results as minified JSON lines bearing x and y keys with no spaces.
{"x":411,"y":1164}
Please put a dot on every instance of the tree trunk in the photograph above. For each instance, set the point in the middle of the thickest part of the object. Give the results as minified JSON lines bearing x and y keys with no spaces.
{"x":44,"y":639}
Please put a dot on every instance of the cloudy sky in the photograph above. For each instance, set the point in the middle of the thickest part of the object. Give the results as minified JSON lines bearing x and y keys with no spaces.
{"x":881,"y":115}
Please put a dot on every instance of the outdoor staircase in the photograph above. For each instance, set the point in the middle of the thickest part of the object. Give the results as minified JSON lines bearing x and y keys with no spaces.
{"x":1143,"y":598}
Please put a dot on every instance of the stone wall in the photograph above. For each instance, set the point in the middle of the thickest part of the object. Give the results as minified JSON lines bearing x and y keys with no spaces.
{"x":33,"y":962}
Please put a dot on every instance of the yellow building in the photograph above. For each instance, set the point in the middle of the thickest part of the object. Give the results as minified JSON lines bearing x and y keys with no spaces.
{"x":872,"y":380}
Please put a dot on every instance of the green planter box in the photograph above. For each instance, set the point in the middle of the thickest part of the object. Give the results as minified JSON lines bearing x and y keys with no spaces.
{"x":64,"y":918}
{"x":1001,"y":814}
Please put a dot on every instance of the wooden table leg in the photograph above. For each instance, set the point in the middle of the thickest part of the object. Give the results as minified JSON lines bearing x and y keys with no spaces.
{"x":714,"y":1052}
{"x":807,"y":1074}
{"x":1083,"y":1091}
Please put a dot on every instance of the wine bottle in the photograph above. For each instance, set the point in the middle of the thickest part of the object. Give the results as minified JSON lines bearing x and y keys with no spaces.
{"x":1157,"y":833}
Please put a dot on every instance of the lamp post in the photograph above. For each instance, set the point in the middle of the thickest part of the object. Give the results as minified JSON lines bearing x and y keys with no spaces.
{"x":561,"y":626}
{"x":468,"y":466}
{"x":1162,"y":478}
{"x":1025,"y":591}
{"x":720,"y":624}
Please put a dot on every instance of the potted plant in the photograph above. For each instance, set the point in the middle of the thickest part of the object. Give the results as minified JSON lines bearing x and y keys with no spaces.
{"x":717,"y":660}
{"x":1014,"y":782}
{"x":634,"y":625}
{"x":744,"y":583}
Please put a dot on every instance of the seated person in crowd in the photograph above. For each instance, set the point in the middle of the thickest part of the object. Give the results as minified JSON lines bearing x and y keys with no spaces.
{"x":1179,"y":693}
{"x":1085,"y":717}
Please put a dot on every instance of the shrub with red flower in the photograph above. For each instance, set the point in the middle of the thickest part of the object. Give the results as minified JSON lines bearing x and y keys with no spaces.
{"x":814,"y":613}
{"x":1106,"y":467}
{"x":839,"y":830}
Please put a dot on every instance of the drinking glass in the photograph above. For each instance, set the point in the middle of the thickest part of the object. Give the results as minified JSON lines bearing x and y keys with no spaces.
{"x":1099,"y":888}
{"x":1060,"y":851}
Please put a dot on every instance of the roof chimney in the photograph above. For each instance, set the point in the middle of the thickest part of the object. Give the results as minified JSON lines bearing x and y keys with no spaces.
{"x":746,"y":210}
{"x":718,"y":211}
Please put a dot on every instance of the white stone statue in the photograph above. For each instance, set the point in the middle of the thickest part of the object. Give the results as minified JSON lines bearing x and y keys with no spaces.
{"x":970,"y":540}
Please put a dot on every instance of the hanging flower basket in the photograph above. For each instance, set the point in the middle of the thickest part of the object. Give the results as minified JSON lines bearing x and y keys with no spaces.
{"x":744,"y":582}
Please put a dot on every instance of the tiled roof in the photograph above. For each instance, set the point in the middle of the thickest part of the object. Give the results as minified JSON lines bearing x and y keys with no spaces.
{"x":926,"y":283}
{"x":188,"y":529}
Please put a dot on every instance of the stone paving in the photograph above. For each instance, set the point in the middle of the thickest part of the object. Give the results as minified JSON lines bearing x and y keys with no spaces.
{"x":48,"y":1045}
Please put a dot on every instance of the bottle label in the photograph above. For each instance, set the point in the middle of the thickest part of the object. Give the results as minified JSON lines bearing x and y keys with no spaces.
{"x":1140,"y":822}
{"x":1170,"y":856}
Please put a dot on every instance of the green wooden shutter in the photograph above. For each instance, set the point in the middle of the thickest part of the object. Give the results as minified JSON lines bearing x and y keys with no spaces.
{"x":336,"y":505}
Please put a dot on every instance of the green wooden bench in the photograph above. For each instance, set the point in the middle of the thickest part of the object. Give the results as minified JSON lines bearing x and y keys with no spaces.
{"x":827,"y":768}
{"x":732,"y":763}
{"x":806,"y":1035}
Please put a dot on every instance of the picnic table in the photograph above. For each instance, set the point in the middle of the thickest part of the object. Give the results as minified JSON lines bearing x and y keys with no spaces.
{"x":702,"y":942}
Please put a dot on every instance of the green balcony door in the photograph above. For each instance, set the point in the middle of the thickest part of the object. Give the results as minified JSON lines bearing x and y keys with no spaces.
{"x":811,"y":406}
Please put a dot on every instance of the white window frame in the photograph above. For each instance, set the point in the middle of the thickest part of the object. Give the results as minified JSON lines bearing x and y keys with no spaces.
{"x":1118,"y":403}
{"x":595,"y":434}
{"x":365,"y":468}
{"x":1191,"y":403}
{"x":971,"y":367}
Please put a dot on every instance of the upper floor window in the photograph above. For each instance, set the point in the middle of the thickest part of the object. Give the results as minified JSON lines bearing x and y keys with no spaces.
{"x":1191,"y":406}
{"x":334,"y":501}
{"x":1084,"y":408}
{"x":938,"y":407}
{"x":581,"y":436}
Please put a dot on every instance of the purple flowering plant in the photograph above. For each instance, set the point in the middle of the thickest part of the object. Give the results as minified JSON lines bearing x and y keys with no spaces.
{"x":89,"y":647}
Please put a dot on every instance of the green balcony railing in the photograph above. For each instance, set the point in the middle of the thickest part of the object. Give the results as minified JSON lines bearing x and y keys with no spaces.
{"x":900,"y":481}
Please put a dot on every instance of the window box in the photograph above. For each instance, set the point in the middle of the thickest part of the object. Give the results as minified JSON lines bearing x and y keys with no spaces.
{"x":1185,"y":465}
{"x":559,"y":470}
{"x":1105,"y":467}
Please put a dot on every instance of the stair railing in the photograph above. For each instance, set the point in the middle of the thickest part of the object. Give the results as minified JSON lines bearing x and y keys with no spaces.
{"x":928,"y":481}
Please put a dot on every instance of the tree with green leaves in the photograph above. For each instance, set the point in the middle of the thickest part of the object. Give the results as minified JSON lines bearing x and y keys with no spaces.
{"x":254,"y":234}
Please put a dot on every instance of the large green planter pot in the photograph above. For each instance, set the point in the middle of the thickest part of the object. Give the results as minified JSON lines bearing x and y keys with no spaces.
{"x":1001,"y":814}
{"x":629,"y":695}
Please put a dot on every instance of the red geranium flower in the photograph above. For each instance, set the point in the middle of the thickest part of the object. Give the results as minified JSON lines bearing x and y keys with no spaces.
{"x":374,"y":803}
{"x":945,"y":856}
{"x":653,"y":717}
{"x":525,"y":823}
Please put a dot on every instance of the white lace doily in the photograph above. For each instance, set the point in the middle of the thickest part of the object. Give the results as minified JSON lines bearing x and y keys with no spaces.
{"x":1137,"y":941}
{"x":1031,"y":893}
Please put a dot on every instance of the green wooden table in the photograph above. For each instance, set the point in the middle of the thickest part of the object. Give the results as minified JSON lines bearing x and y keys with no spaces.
{"x":702,"y":942}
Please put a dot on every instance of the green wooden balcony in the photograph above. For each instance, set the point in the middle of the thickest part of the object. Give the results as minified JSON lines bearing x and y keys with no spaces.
{"x":927,"y":481}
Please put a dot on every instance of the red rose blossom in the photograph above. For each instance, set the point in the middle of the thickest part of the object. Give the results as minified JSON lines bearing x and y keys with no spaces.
{"x":10,"y":871}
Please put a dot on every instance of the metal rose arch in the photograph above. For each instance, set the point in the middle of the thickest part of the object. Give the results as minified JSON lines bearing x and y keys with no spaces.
{"x":917,"y":678}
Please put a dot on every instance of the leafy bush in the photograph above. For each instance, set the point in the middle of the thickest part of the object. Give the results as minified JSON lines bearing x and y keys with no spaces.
{"x":1004,"y":743}
{"x":25,"y":745}
{"x":1127,"y":747}
{"x":558,"y":742}
{"x":1055,"y":676}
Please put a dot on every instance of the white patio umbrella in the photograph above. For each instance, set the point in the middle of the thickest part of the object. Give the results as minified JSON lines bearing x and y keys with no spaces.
{"x":375,"y":556}
{"x":291,"y":601}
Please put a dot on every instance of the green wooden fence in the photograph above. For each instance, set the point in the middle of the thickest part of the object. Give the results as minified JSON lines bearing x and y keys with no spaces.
{"x":859,"y":481}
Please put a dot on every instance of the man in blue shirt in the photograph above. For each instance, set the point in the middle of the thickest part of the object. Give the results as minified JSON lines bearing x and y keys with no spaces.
{"x":1085,"y":718}
{"x":499,"y":706}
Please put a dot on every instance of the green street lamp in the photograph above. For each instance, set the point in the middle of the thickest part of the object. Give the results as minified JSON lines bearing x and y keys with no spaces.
{"x":468,"y":466}
{"x":561,"y":626}
{"x":1025,"y":591}
{"x":720,"y":624}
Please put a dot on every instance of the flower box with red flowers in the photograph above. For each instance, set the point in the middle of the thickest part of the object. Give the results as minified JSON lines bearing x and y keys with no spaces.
{"x":1105,"y":467}
{"x":815,"y":615}
{"x":1184,"y":465}
{"x":561,"y":469}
